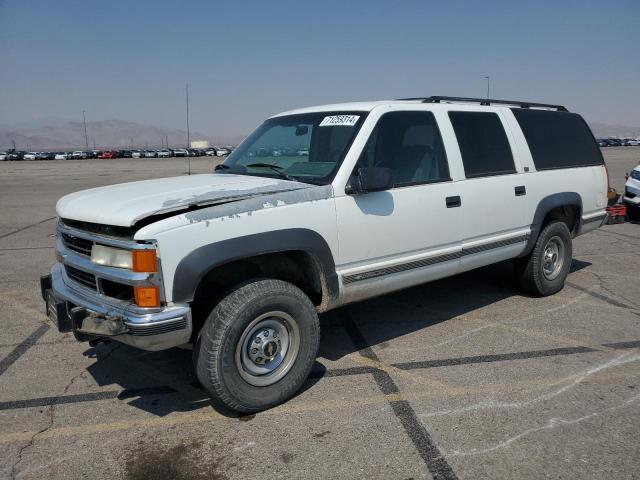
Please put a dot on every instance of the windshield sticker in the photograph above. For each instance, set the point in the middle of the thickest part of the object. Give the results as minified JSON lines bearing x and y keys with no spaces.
{"x":339,"y":120}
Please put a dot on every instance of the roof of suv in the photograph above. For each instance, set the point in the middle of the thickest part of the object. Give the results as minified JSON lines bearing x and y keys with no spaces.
{"x":368,"y":106}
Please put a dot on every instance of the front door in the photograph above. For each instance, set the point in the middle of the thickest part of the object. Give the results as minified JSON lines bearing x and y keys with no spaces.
{"x":409,"y":234}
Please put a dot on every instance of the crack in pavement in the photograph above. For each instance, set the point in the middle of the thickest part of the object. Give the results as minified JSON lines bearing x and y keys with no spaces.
{"x":553,"y":422}
{"x":51,"y":416}
{"x":576,"y":380}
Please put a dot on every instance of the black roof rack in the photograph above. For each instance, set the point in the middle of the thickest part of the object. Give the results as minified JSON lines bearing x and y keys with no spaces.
{"x":488,"y":101}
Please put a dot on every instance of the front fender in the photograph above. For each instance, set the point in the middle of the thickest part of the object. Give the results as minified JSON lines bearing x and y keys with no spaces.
{"x":192,"y":268}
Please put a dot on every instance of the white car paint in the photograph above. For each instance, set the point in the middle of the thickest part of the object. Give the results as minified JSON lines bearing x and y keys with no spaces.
{"x":61,"y":156}
{"x":125,"y":203}
{"x":3,"y":156}
{"x":29,"y":156}
{"x":632,"y":188}
{"x":365,"y":232}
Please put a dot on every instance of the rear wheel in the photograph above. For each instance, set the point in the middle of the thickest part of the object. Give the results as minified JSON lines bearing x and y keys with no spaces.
{"x":545,"y":269}
{"x":257,"y":346}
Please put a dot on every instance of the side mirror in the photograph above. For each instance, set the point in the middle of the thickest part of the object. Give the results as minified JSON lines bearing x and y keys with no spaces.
{"x":370,"y":179}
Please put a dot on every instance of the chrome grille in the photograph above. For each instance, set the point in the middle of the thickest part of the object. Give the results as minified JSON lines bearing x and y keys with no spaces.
{"x":79,"y":245}
{"x":85,"y":279}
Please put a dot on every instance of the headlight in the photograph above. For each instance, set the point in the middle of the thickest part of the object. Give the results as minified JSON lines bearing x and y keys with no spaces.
{"x":635,"y":174}
{"x":111,"y":257}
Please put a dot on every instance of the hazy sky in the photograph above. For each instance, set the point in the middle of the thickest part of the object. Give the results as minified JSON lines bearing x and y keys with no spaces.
{"x":130,"y":59}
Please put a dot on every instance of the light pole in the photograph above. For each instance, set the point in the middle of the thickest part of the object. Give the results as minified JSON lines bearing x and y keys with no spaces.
{"x":488,"y":84}
{"x":86,"y":139}
{"x":188,"y":133}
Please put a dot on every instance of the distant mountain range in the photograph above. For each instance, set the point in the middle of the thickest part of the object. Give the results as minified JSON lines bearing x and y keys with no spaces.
{"x":53,"y":133}
{"x":602,"y":130}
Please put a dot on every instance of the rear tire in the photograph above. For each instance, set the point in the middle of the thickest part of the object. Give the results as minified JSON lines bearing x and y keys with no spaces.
{"x":544,"y":271}
{"x":633,"y":213}
{"x":257,"y":345}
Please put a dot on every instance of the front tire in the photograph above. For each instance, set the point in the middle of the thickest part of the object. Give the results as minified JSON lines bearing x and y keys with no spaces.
{"x":257,"y":345}
{"x":544,"y":271}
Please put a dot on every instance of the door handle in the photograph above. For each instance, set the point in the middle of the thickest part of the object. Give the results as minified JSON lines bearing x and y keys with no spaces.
{"x":520,"y":190}
{"x":453,"y":202}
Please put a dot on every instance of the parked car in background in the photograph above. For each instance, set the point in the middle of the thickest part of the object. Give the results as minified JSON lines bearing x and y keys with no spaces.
{"x":614,"y":142}
{"x":150,"y":154}
{"x":61,"y":156}
{"x":43,"y":156}
{"x":180,"y":152}
{"x":631,"y":142}
{"x":79,"y":155}
{"x":136,"y":154}
{"x":210,"y":152}
{"x":221,"y":152}
{"x":108,"y":154}
{"x":164,"y":153}
{"x":3,"y":156}
{"x":17,"y":155}
{"x":29,"y":156}
{"x":631,"y":196}
{"x":602,"y":142}
{"x":124,"y":154}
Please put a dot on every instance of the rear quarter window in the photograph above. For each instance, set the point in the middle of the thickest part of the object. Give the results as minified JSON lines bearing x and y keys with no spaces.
{"x":558,"y":139}
{"x":483,"y":144}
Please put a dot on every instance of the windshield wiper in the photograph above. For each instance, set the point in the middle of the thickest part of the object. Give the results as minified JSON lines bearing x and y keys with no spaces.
{"x":276,"y":168}
{"x":221,"y":166}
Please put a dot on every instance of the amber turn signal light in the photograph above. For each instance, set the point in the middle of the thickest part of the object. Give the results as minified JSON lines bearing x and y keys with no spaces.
{"x":147,"y":296}
{"x":145,"y":261}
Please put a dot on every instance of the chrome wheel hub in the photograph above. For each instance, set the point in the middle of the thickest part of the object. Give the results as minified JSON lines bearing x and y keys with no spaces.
{"x":553,"y":258}
{"x":268,"y":348}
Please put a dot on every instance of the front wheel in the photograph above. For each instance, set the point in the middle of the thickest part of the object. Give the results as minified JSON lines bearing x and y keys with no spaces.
{"x":257,"y":346}
{"x":544,"y":271}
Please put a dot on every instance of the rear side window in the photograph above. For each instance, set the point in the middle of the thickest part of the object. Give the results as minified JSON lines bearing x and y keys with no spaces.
{"x":558,"y":139}
{"x":483,"y":144}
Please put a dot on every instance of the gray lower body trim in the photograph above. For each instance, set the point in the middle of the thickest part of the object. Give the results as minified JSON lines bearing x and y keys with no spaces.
{"x":403,"y":267}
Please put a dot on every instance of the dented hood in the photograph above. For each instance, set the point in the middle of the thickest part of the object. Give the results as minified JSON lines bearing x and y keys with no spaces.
{"x":127,"y":203}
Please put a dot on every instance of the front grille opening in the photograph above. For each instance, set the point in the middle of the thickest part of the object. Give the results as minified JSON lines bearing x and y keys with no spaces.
{"x":85,"y":279}
{"x":117,"y":290}
{"x":79,"y":245}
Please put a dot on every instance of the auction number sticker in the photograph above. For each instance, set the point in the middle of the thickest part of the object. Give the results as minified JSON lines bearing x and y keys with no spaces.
{"x":339,"y":121}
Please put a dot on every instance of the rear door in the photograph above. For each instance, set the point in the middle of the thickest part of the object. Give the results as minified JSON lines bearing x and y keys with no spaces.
{"x":495,"y":219}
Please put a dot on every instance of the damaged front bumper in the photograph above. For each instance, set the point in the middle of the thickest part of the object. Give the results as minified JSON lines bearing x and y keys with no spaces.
{"x":92,"y":315}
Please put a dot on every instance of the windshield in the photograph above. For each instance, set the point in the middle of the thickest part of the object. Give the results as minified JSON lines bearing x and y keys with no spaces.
{"x":306,"y":147}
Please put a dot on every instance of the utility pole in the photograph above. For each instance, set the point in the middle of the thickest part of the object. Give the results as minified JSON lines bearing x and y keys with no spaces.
{"x":488,"y":84}
{"x":188,"y":133}
{"x":166,"y":140}
{"x":86,"y":139}
{"x":14,"y":144}
{"x":131,"y":142}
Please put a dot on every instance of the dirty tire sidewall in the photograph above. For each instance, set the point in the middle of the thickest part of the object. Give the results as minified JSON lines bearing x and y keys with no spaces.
{"x":529,"y":269}
{"x":215,"y":359}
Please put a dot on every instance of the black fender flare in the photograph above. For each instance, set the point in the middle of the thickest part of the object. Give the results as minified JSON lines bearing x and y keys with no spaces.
{"x":560,"y":199}
{"x":192,"y":268}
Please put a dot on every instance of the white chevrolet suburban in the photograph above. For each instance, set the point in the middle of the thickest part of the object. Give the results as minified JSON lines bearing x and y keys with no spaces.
{"x":386,"y":195}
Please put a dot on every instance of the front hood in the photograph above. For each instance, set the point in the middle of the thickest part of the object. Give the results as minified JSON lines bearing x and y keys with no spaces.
{"x":127,"y":203}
